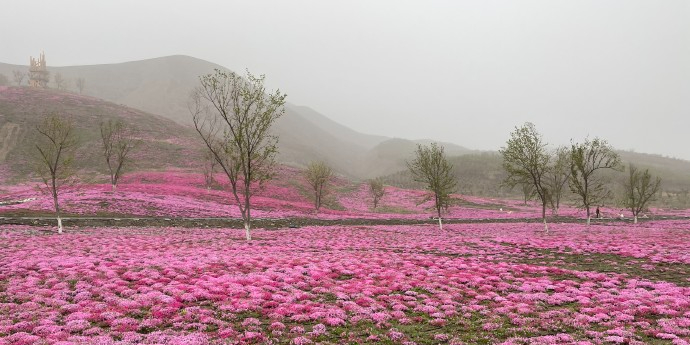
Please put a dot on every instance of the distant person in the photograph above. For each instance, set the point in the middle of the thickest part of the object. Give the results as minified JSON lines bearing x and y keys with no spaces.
{"x":598,"y":212}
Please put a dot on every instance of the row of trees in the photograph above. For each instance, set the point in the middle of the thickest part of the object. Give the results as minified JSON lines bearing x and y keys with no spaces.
{"x":233,"y":116}
{"x":532,"y":166}
{"x":61,"y":83}
{"x":57,"y":143}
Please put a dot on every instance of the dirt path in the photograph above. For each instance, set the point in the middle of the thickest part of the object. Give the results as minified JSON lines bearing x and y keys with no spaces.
{"x":276,"y":223}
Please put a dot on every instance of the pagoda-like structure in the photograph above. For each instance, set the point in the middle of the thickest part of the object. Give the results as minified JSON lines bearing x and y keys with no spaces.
{"x":38,"y":74}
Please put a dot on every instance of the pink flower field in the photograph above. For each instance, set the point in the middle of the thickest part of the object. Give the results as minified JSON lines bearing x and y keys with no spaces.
{"x":181,"y":194}
{"x":468,"y":284}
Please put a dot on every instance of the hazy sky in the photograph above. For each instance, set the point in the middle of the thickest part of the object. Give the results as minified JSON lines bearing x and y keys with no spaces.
{"x":466,"y":72}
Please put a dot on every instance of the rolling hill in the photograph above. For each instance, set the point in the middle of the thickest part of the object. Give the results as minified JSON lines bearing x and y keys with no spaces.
{"x":161,"y":86}
{"x":163,"y":143}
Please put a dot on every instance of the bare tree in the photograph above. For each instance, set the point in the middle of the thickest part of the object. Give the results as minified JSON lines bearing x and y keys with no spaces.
{"x":55,"y":146}
{"x":640,"y":189}
{"x":59,"y":81}
{"x":586,"y":159}
{"x":318,"y":174}
{"x":18,"y":77}
{"x":118,"y":142}
{"x":233,"y":116}
{"x":80,"y":83}
{"x":377,"y":190}
{"x":558,"y":177}
{"x":431,"y":167}
{"x":4,"y":81}
{"x":526,"y":160}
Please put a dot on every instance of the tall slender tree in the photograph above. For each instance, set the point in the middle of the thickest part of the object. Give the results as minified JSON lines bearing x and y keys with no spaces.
{"x":640,"y":189}
{"x":55,"y":144}
{"x":526,"y":160}
{"x":233,"y":116}
{"x":587,"y":159}
{"x":431,"y":167}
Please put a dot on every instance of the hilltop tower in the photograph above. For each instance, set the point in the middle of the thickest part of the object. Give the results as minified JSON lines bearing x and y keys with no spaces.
{"x":38,"y":74}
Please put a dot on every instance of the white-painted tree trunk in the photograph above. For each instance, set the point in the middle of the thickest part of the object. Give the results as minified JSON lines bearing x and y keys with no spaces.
{"x":440,"y":223}
{"x":546,"y":226}
{"x":114,"y":187}
{"x":247,"y":232}
{"x":59,"y":219}
{"x":635,"y":221}
{"x":589,"y":220}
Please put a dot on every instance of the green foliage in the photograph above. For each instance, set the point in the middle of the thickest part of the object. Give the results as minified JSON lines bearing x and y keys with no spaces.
{"x":526,"y":160}
{"x":586,"y":159}
{"x":640,"y":189}
{"x":431,"y":167}
{"x":377,"y":190}
{"x":317,"y":175}
{"x":233,"y":115}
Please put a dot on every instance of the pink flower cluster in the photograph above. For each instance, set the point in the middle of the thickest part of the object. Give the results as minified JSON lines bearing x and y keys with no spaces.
{"x":466,"y":284}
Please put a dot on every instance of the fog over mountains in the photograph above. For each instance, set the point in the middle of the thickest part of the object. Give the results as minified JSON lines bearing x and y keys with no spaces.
{"x":161,"y":86}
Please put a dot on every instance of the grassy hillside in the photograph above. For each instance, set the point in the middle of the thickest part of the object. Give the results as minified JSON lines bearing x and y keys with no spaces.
{"x":161,"y":86}
{"x":163,"y":143}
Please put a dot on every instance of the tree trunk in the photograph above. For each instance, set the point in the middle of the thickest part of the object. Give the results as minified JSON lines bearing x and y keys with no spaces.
{"x":248,"y":219}
{"x":589,"y":217}
{"x":543,"y":216}
{"x":440,"y":224}
{"x":114,"y":187}
{"x":635,"y":219}
{"x":247,"y":231}
{"x":57,"y":212}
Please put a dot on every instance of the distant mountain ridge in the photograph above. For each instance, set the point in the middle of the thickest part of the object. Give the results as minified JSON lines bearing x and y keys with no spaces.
{"x":162,"y":85}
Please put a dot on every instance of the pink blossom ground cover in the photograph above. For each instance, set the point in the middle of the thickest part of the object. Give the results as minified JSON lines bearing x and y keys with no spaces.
{"x":177,"y":193}
{"x":468,"y":284}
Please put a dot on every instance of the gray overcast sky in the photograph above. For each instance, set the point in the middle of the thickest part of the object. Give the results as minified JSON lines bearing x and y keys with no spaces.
{"x":466,"y":72}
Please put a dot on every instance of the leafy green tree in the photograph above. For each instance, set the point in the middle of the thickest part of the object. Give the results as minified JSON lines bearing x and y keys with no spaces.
{"x":318,"y":174}
{"x":586,"y":160}
{"x":526,"y":160}
{"x":640,"y":189}
{"x":431,"y":167}
{"x":377,"y":190}
{"x":233,"y":115}
{"x":55,"y":144}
